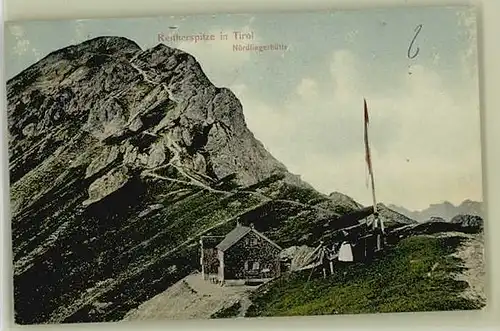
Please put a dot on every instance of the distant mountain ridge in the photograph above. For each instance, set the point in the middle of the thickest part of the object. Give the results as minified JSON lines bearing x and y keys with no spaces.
{"x":445,"y":210}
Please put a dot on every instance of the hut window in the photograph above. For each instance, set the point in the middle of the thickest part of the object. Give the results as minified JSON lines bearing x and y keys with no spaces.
{"x":255,"y":266}
{"x":246,"y":265}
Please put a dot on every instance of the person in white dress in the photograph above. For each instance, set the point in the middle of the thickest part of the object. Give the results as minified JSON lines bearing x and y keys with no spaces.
{"x":345,"y":252}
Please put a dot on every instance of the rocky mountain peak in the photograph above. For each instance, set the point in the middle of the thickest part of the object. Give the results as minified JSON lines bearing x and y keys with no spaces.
{"x":343,"y":199}
{"x":106,"y":100}
{"x":111,"y":45}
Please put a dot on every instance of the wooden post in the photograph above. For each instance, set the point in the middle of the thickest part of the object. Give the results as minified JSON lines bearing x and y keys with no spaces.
{"x":220,"y":255}
{"x":376,"y":220}
{"x":375,"y":212}
{"x":201,"y":259}
{"x":322,"y":258}
{"x":366,"y":247}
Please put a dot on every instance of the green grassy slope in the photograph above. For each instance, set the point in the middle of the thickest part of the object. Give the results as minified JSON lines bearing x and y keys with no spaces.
{"x":415,"y":275}
{"x":135,"y":243}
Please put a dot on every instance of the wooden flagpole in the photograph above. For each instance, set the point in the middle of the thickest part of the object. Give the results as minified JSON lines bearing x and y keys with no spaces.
{"x":370,"y":169}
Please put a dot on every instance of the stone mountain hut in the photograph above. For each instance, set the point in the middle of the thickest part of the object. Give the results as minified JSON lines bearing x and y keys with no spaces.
{"x":243,"y":254}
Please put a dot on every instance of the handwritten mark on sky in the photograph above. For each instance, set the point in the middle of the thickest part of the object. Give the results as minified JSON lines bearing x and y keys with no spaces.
{"x":410,"y":48}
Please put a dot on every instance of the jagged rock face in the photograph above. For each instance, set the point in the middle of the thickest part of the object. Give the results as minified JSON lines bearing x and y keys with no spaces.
{"x":436,"y":219}
{"x":207,"y":118}
{"x":391,"y":217}
{"x":338,"y":197}
{"x":468,"y":221}
{"x":461,"y":223}
{"x":161,"y":92}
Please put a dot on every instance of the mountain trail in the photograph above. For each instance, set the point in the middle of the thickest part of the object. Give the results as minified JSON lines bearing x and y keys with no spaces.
{"x":471,"y":252}
{"x":147,"y":79}
{"x":191,"y":298}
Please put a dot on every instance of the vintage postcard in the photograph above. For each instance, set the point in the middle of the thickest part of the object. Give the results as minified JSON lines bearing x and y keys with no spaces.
{"x":226,"y":166}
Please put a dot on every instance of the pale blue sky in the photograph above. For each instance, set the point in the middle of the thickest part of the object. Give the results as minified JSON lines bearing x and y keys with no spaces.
{"x":383,"y":33}
{"x":305,"y":104}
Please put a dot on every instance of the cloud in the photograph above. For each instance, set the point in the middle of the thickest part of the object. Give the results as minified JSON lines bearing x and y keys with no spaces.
{"x":307,"y":89}
{"x":345,"y":76}
{"x":23,"y":45}
{"x":16,"y":30}
{"x":239,"y":89}
{"x":467,"y":22}
{"x":80,"y":34}
{"x":351,"y":36}
{"x":424,"y":133}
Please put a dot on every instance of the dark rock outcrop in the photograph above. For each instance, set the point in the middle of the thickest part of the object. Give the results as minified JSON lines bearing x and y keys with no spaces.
{"x":340,"y":198}
{"x":461,"y":223}
{"x":436,"y":219}
{"x":468,"y":221}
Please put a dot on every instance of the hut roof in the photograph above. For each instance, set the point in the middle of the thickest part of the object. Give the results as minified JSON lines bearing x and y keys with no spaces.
{"x":233,"y":237}
{"x":239,"y":232}
{"x":211,"y":241}
{"x":356,"y":215}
